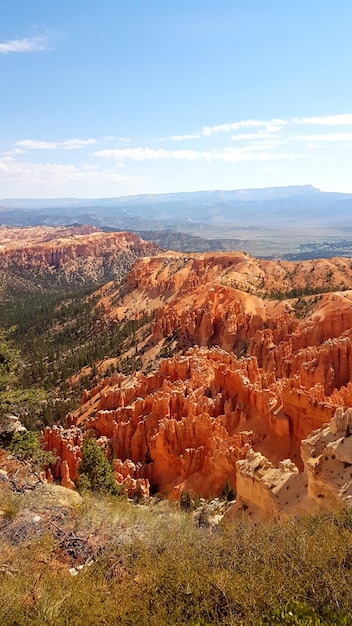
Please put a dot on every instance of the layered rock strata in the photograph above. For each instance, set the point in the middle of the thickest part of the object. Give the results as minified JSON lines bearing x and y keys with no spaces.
{"x":76,"y":254}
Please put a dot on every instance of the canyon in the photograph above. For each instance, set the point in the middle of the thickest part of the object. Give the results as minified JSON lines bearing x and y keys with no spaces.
{"x":232,"y":373}
{"x":241,"y":359}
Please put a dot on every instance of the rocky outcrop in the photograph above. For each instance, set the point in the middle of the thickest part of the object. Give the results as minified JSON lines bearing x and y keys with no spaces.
{"x":18,"y":475}
{"x":327,"y":456}
{"x":66,"y":443}
{"x":268,"y":491}
{"x":128,"y":475}
{"x":75,"y":255}
{"x":56,"y":247}
{"x":231,"y":301}
{"x":181,"y":429}
{"x":9,"y":425}
{"x":184,"y":427}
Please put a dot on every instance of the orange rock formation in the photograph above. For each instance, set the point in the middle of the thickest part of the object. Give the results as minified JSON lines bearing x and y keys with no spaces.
{"x":327,"y":456}
{"x":274,"y":363}
{"x":69,"y":249}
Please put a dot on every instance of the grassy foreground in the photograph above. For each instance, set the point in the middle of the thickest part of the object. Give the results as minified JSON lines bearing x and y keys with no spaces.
{"x":153,"y":565}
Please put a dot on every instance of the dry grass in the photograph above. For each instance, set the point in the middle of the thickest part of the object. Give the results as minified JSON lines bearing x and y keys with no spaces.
{"x":153,"y":566}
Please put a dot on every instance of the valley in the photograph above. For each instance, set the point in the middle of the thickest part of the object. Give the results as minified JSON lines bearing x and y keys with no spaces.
{"x":175,"y":314}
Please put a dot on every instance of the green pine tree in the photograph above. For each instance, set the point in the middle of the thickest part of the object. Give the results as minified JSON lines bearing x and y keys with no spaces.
{"x":95,"y":472}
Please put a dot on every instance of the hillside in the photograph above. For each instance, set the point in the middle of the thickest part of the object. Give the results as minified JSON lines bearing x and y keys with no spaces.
{"x":48,"y":277}
{"x":101,"y":561}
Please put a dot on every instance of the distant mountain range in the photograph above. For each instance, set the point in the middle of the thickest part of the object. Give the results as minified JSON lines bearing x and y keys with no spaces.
{"x":272,"y":215}
{"x":240,"y":207}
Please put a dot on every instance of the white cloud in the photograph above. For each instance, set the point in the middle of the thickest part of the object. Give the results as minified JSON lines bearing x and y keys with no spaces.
{"x":224,"y":154}
{"x":48,"y":180}
{"x":344,"y":119}
{"x":26,"y":44}
{"x":9,"y":154}
{"x":69,"y":144}
{"x":273,"y":126}
{"x":259,"y":143}
{"x":326,"y":137}
{"x":270,"y":125}
{"x":57,"y":173}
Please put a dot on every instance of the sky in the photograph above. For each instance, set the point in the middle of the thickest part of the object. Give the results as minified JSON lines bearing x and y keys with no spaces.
{"x":105,"y":98}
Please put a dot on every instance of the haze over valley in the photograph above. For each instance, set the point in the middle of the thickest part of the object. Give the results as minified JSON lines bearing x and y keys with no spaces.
{"x":302,"y":222}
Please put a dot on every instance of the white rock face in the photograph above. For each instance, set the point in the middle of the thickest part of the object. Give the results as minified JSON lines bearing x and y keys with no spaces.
{"x":327,"y":457}
{"x":266,"y":490}
{"x":342,"y":421}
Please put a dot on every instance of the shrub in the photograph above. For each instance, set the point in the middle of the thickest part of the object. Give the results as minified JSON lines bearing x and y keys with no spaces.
{"x":185,"y":501}
{"x":26,"y":447}
{"x":95,"y":472}
{"x":154,"y":567}
{"x":227,"y":493}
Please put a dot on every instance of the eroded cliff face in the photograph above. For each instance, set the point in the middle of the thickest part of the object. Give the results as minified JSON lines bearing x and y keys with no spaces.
{"x":265,"y":490}
{"x":269,"y":365}
{"x":75,"y":253}
{"x":231,"y":301}
{"x":180,"y":429}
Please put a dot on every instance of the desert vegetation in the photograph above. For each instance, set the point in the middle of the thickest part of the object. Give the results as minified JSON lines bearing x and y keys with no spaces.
{"x":103,"y":560}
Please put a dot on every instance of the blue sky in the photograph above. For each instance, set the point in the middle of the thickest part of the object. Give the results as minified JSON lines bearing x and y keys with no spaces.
{"x":119,"y":97}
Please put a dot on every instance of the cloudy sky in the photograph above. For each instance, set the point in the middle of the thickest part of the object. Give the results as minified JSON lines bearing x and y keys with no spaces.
{"x":119,"y":97}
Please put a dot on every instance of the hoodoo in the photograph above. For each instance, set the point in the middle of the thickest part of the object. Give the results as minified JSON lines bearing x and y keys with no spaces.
{"x":259,"y":356}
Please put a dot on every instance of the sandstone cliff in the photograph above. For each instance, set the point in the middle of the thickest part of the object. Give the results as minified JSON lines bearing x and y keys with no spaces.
{"x":67,"y":255}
